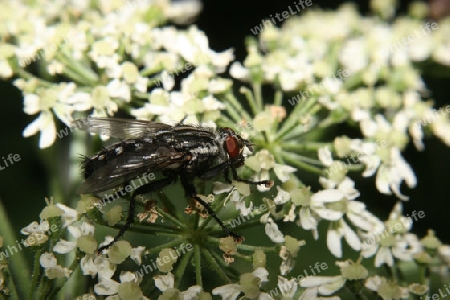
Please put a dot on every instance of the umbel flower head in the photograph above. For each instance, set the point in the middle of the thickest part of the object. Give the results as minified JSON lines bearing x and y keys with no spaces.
{"x":298,"y":82}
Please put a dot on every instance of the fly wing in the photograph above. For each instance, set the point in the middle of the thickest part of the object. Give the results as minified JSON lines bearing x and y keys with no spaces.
{"x":117,"y":170}
{"x":121,"y":128}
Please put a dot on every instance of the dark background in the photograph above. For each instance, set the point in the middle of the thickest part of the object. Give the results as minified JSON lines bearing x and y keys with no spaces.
{"x":25,"y":184}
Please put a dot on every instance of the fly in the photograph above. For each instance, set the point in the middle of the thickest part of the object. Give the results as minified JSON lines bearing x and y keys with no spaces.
{"x":177,"y":151}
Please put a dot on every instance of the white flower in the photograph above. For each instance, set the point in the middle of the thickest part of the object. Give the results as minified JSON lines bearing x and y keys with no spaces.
{"x":52,"y":269}
{"x":261,"y":163}
{"x":391,"y":174}
{"x":69,"y":216}
{"x":271,"y":229}
{"x":183,"y":12}
{"x":238,"y":71}
{"x":341,"y":229}
{"x":237,"y":195}
{"x":228,"y":292}
{"x":282,"y":196}
{"x":106,"y":286}
{"x":5,"y":69}
{"x":232,"y":291}
{"x":321,"y":285}
{"x":283,"y":172}
{"x":119,"y":89}
{"x":37,"y":233}
{"x":128,"y":286}
{"x":63,"y":246}
{"x":386,"y":289}
{"x":81,"y":229}
{"x":136,"y":254}
{"x":94,"y":264}
{"x":391,"y":240}
{"x":44,"y":123}
{"x":287,"y":287}
{"x":163,"y":282}
{"x":332,"y":205}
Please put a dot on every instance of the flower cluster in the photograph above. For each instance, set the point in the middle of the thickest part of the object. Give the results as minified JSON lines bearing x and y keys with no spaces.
{"x":322,"y":69}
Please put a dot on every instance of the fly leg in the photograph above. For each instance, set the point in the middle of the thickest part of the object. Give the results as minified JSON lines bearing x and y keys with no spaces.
{"x":190,"y":192}
{"x":224,"y":167}
{"x":143,"y":189}
{"x":267,"y":183}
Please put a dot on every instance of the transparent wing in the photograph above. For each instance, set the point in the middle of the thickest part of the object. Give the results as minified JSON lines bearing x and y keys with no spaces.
{"x":121,"y":128}
{"x":128,"y":166}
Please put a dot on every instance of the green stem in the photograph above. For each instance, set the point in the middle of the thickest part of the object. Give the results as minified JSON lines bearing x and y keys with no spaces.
{"x":28,"y":75}
{"x":36,"y":272}
{"x":258,"y":96}
{"x":82,"y":73}
{"x":17,"y":263}
{"x":247,"y":224}
{"x":232,"y":112}
{"x":244,"y":247}
{"x":292,"y":158}
{"x":171,"y":244}
{"x":177,"y":218}
{"x":198,"y":265}
{"x":224,"y":265}
{"x":308,"y":146}
{"x":11,"y":285}
{"x":171,"y":218}
{"x":278,"y":98}
{"x":215,"y":266}
{"x":139,"y":228}
{"x":181,"y":269}
{"x":44,"y":287}
{"x":293,"y":119}
{"x":238,"y":107}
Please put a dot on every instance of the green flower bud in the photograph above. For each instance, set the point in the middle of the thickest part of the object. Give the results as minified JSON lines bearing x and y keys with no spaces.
{"x":342,"y":146}
{"x":301,"y":196}
{"x":354,"y":271}
{"x":228,"y":245}
{"x":130,"y":291}
{"x":167,"y":257}
{"x":87,"y":244}
{"x":114,"y":215}
{"x":50,"y":211}
{"x":36,"y":239}
{"x":259,"y":259}
{"x":242,"y":188}
{"x":337,"y":171}
{"x":119,"y":252}
{"x":56,"y":272}
{"x":430,"y":241}
{"x":423,"y":258}
{"x":204,"y":296}
{"x":130,"y":72}
{"x":170,"y":294}
{"x":250,"y":285}
{"x":103,"y":47}
{"x":293,"y":245}
{"x":389,"y":290}
{"x":86,"y":204}
{"x":418,"y":289}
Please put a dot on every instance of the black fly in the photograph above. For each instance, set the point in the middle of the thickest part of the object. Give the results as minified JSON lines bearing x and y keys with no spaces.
{"x":180,"y":151}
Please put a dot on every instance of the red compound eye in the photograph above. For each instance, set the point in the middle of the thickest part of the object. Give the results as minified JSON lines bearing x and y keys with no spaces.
{"x":231,"y":143}
{"x":232,"y":146}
